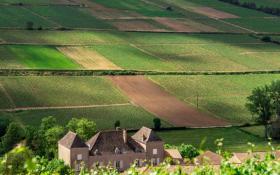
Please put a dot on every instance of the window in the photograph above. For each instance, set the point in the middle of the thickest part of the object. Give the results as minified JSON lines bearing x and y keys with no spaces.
{"x":154,"y":151}
{"x":79,"y":157}
{"x":77,"y":167}
{"x":153,"y":161}
{"x":137,"y":163}
{"x":118,"y":164}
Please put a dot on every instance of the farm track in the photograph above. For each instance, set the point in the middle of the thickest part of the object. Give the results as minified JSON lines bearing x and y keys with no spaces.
{"x":159,"y":102}
{"x":61,"y":107}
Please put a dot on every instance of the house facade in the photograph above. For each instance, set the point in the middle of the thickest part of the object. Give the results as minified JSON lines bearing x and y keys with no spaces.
{"x":114,"y":148}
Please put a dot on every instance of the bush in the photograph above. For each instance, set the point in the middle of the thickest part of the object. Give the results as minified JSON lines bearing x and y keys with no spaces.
{"x":188,"y":151}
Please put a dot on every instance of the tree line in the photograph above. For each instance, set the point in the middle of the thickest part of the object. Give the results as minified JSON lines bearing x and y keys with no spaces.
{"x":252,"y":5}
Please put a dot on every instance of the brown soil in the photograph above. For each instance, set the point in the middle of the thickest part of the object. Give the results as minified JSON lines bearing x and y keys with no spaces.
{"x":175,"y":25}
{"x":154,"y":99}
{"x":89,"y":59}
{"x":185,"y":25}
{"x":213,"y":13}
{"x":103,"y":12}
{"x":135,"y":25}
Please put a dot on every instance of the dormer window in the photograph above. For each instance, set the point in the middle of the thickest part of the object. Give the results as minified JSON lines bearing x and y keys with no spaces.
{"x":117,"y":150}
{"x":144,"y":138}
{"x":96,"y":152}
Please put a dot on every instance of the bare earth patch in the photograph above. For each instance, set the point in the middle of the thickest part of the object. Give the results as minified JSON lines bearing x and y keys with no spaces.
{"x":213,"y":13}
{"x":103,"y":12}
{"x":135,"y":25}
{"x":154,"y":99}
{"x":185,"y":25}
{"x":89,"y":59}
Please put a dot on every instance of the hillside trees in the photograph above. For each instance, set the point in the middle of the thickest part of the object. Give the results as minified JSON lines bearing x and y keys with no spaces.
{"x":85,"y":128}
{"x":264,"y":102}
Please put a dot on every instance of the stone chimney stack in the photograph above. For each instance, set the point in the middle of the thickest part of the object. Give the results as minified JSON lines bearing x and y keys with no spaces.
{"x":124,"y":135}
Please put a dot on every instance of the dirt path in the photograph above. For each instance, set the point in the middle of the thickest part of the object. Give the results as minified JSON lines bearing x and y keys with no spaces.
{"x":154,"y":99}
{"x":88,"y":59}
{"x":62,"y":107}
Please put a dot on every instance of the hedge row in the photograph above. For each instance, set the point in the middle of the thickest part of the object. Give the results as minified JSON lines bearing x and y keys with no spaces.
{"x":252,"y":5}
{"x":39,"y":72}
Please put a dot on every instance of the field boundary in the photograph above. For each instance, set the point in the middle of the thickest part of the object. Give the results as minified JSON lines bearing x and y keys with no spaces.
{"x":62,"y":107}
{"x":67,"y":72}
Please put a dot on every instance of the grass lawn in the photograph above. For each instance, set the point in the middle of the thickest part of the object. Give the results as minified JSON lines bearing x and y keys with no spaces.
{"x":61,"y":91}
{"x":71,"y":17}
{"x":41,"y":57}
{"x":234,"y":138}
{"x":223,"y":96}
{"x":105,"y":117}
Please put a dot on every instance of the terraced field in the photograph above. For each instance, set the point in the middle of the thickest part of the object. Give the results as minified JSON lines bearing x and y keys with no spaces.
{"x":164,"y":36}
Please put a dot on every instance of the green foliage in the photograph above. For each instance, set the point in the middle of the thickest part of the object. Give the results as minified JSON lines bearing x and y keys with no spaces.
{"x":41,"y":166}
{"x":14,"y":161}
{"x":4,"y":123}
{"x":13,"y":136}
{"x":117,"y":124}
{"x":51,"y":137}
{"x":157,"y":123}
{"x":188,"y":151}
{"x":85,"y":128}
{"x":260,"y":104}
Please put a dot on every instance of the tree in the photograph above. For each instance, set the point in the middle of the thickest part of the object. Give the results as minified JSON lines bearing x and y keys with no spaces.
{"x":260,"y":104}
{"x":40,"y":165}
{"x":4,"y":123}
{"x":117,"y":124}
{"x":275,"y":96}
{"x":157,"y":123}
{"x":29,"y":25}
{"x":51,"y":138}
{"x":47,"y":123}
{"x":85,"y":128}
{"x":14,"y":135}
{"x":14,"y":161}
{"x":188,"y":151}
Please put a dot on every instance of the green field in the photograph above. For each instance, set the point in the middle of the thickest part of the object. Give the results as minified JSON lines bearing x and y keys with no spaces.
{"x":234,"y":139}
{"x":71,"y":17}
{"x":105,"y":117}
{"x":41,"y":57}
{"x":223,"y":96}
{"x":61,"y":91}
{"x":17,"y":17}
{"x":141,"y":7}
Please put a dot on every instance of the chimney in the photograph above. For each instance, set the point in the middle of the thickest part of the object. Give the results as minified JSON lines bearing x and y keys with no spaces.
{"x":124,"y":136}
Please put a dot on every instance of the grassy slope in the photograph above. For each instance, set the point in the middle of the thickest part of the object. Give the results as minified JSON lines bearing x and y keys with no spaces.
{"x":224,"y":96}
{"x":105,"y":117}
{"x":34,"y":57}
{"x":61,"y":91}
{"x":197,"y":136}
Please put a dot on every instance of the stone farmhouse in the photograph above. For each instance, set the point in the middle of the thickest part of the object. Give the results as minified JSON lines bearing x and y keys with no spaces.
{"x":114,"y":148}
